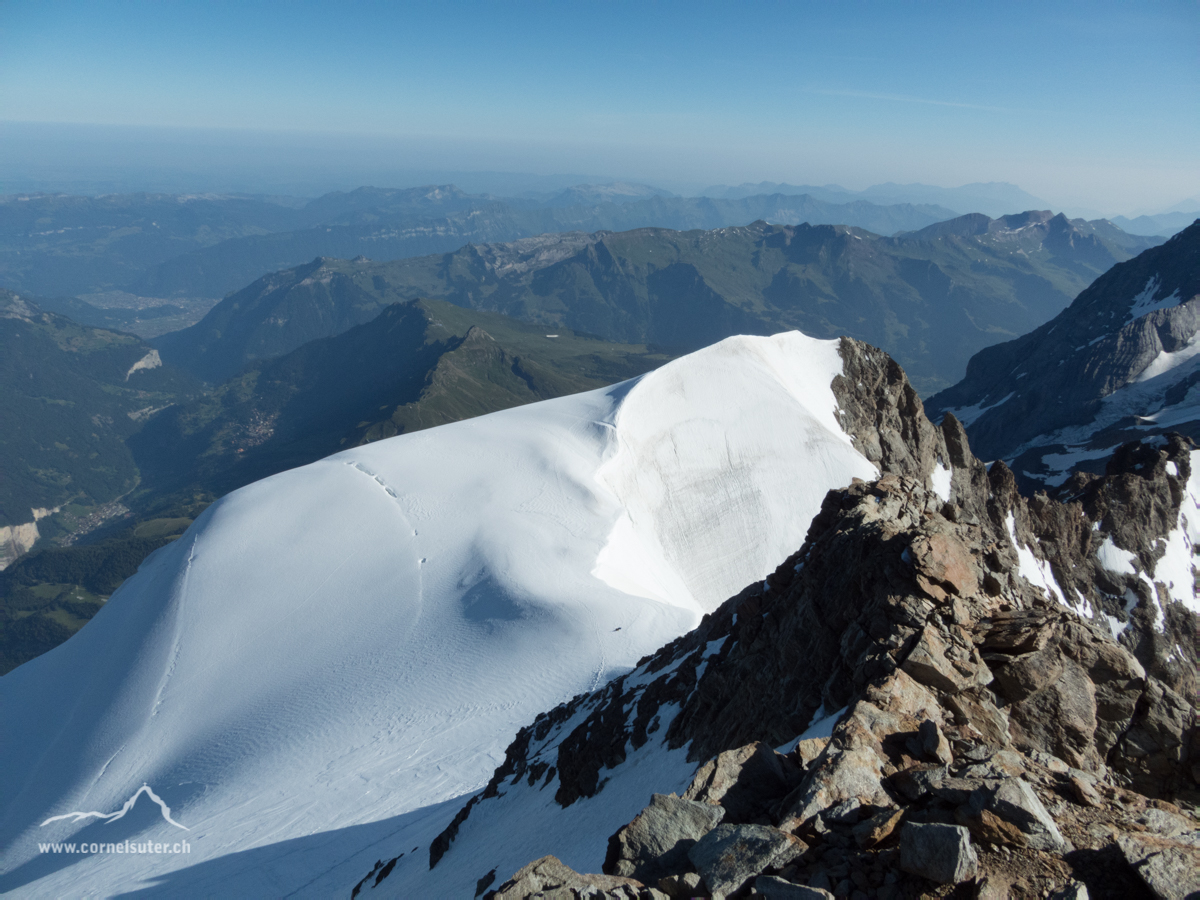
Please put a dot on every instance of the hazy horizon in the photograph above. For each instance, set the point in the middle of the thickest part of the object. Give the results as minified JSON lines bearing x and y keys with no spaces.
{"x":1084,"y":106}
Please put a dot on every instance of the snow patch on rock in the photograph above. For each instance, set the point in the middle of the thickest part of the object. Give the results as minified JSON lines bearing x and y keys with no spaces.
{"x":1037,"y":571}
{"x":940,"y":480}
{"x":1114,"y":558}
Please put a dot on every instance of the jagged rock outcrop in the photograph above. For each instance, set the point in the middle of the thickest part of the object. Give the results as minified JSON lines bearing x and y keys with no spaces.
{"x":1005,"y":712}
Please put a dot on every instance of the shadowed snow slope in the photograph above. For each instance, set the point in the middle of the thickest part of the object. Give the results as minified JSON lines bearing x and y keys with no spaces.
{"x":328,"y":654}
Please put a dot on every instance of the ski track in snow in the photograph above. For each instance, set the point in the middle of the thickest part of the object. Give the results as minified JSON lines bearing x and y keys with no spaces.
{"x":331,"y":658}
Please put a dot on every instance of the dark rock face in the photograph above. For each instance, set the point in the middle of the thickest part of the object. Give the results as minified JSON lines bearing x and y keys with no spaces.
{"x":1084,"y":379}
{"x":964,"y":634}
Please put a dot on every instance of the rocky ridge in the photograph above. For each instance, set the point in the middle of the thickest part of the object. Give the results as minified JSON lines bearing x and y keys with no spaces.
{"x":1009,"y":682}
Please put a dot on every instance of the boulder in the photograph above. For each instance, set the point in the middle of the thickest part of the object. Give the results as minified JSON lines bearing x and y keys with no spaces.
{"x":1084,"y":793}
{"x":933,"y":743}
{"x":1015,"y":802}
{"x":944,"y":566}
{"x":746,"y":781}
{"x":1170,"y":869}
{"x":851,"y":771}
{"x":1166,"y":820}
{"x":976,"y":710}
{"x":730,"y":855}
{"x":1009,"y":812}
{"x":1153,"y":752}
{"x":929,"y":663}
{"x":656,"y":843}
{"x":941,"y":853}
{"x":918,"y":781}
{"x":1053,"y":706}
{"x":548,"y":877}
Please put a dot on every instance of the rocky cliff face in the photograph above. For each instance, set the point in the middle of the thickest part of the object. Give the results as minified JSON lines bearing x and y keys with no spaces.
{"x":1119,"y":364}
{"x":986,"y":688}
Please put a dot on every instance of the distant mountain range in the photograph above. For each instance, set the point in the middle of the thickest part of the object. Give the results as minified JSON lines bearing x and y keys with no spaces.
{"x":165,"y":246}
{"x":591,"y":194}
{"x":122,"y":252}
{"x":381,"y":233}
{"x":1122,"y":362}
{"x":992,"y":198}
{"x":932,"y":297}
{"x":1165,"y":224}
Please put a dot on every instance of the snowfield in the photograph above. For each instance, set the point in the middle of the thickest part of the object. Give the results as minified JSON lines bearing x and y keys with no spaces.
{"x":329,"y":659}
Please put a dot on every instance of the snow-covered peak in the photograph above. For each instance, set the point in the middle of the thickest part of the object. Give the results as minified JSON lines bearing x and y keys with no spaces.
{"x":329,"y":654}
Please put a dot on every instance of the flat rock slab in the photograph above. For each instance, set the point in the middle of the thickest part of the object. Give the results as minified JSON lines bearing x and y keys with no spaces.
{"x":941,"y":853}
{"x":730,"y":855}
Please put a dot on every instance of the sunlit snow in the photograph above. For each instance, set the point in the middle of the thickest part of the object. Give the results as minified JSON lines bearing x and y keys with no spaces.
{"x":328,"y":658}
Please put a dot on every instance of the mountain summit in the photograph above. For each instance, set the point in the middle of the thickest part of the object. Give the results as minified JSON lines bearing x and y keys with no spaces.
{"x":956,"y":686}
{"x":346,"y":645}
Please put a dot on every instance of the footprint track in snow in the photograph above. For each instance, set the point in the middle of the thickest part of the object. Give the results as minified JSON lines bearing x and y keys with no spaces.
{"x":421,"y":560}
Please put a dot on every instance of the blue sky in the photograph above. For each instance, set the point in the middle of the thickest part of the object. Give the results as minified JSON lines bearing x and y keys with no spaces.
{"x":1086,"y":104}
